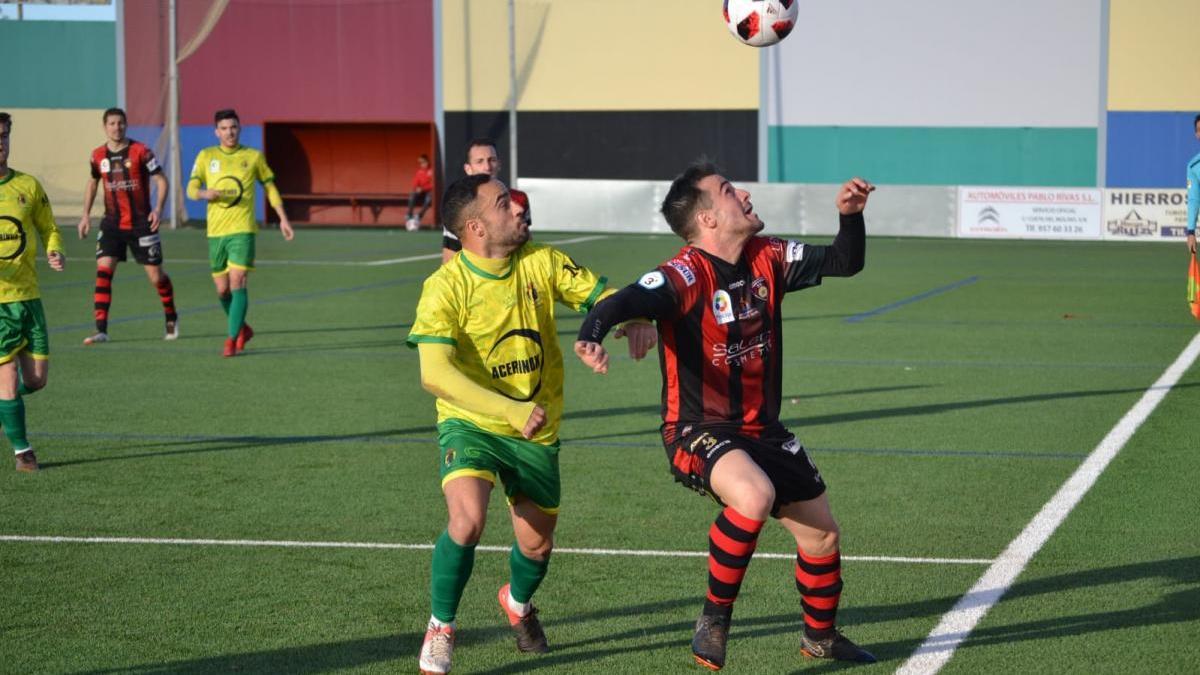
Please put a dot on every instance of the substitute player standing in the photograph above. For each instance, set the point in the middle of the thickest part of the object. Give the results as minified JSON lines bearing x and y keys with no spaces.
{"x":1193,"y":192}
{"x":718,"y":304}
{"x":126,"y":168}
{"x":482,"y":160}
{"x":228,"y":172}
{"x":488,"y":346}
{"x":24,"y":339}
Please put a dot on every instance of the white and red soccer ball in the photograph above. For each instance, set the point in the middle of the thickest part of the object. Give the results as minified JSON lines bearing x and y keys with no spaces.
{"x":761,"y":23}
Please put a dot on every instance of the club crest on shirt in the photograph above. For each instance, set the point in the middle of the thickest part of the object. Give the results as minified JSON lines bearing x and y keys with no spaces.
{"x":759,"y":288}
{"x":722,"y":307}
{"x":531,"y":292}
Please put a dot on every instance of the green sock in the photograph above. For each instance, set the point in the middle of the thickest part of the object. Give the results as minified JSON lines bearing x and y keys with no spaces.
{"x":452,"y":566}
{"x":226,"y":300}
{"x":237,"y":311}
{"x":12,"y":417}
{"x":527,"y":575}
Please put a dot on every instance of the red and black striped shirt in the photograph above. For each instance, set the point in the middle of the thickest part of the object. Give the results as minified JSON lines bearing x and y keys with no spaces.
{"x":720,"y":325}
{"x":125,"y":177}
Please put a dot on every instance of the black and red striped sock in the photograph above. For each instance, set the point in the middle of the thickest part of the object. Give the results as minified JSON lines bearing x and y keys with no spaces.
{"x":103,"y":297}
{"x":731,"y":542}
{"x":166,"y":293}
{"x":819,"y":581}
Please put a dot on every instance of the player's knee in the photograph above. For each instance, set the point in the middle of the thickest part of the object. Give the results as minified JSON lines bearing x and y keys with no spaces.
{"x":824,"y":543}
{"x":34,"y":381}
{"x":537,"y":550}
{"x":753,"y":500}
{"x":465,"y":531}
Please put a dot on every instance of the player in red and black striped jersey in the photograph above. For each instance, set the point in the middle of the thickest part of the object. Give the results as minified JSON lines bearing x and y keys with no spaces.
{"x":718,"y":309}
{"x":125,"y":168}
{"x":482,"y":159}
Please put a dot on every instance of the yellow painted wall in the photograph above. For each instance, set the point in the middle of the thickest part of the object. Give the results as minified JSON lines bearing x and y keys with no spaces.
{"x":53,"y":146}
{"x":596,"y":55}
{"x":1153,"y":49}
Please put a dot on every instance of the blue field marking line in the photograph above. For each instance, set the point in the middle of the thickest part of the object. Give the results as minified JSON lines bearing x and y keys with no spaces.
{"x":378,"y":438}
{"x":858,"y":318}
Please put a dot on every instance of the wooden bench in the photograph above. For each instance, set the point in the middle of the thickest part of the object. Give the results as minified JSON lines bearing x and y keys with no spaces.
{"x":357,"y":201}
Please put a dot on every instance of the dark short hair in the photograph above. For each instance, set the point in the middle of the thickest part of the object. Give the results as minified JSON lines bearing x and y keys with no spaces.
{"x":423,"y":156}
{"x":685,"y":196}
{"x":114,"y":111}
{"x":478,"y":143}
{"x":458,"y":200}
{"x":225,"y":114}
{"x":6,"y":120}
{"x":1196,"y":121}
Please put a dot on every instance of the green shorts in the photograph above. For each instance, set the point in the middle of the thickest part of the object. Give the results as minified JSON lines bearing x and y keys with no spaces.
{"x":232,"y":250}
{"x":527,"y":469}
{"x":23,"y":326}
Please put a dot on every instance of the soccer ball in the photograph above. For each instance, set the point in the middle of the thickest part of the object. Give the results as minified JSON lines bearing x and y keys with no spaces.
{"x":761,"y":23}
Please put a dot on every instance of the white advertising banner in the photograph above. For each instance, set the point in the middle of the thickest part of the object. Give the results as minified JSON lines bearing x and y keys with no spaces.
{"x":1145,"y":214}
{"x":1029,"y":213}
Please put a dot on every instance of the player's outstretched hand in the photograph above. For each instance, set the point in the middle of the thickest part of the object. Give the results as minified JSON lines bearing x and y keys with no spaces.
{"x":537,"y":420}
{"x":642,"y":337}
{"x":593,"y":356}
{"x":58,"y":261}
{"x":85,"y":225}
{"x":852,"y":198}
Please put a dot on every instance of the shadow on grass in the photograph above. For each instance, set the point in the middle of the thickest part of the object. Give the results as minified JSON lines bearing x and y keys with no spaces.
{"x":225,"y":443}
{"x":916,"y":410}
{"x":1176,"y":604}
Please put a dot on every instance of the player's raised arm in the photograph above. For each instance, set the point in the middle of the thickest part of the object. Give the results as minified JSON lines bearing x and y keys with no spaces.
{"x":650,"y":298}
{"x":846,"y":256}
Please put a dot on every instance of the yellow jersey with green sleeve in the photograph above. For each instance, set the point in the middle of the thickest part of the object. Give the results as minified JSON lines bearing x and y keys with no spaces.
{"x":502,"y":328}
{"x":232,"y":173}
{"x":24,"y":211}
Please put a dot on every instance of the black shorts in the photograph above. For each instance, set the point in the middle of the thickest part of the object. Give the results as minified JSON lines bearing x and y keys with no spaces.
{"x":777,"y":452}
{"x":146,"y":245}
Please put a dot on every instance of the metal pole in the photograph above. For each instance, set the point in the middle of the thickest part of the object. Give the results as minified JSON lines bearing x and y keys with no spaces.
{"x":173,"y":118}
{"x":512,"y":102}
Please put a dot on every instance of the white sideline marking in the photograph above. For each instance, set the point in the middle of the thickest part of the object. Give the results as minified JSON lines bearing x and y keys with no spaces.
{"x":970,"y":609}
{"x":429,"y":547}
{"x":377,"y":263}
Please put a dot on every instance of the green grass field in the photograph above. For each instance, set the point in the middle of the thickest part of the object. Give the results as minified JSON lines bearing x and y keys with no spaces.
{"x":946,"y":393}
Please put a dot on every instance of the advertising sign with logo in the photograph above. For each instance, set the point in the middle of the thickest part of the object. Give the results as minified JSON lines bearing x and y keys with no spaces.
{"x":1028,"y":213}
{"x":1145,"y":214}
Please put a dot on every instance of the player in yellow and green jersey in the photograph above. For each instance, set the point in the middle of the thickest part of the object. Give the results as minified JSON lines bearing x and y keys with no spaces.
{"x":489,"y":352}
{"x":228,"y":172}
{"x":24,"y":339}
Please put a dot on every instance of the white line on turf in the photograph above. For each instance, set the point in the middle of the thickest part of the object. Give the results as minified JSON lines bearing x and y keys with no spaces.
{"x":378,"y":263}
{"x":429,"y":547}
{"x":956,"y":625}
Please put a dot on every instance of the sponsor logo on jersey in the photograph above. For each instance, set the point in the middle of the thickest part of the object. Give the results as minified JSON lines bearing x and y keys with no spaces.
{"x":214,"y":166}
{"x":12,"y":238}
{"x":737,"y":284}
{"x":795,"y":252}
{"x":149,"y":240}
{"x":516,"y":362}
{"x":722,"y":307}
{"x":105,"y":166}
{"x":739,"y":352}
{"x":652,"y":280}
{"x":689,"y":277}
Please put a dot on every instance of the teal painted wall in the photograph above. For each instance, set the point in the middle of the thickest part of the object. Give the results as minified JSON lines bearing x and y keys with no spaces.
{"x":59,"y":64}
{"x":1054,"y":157}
